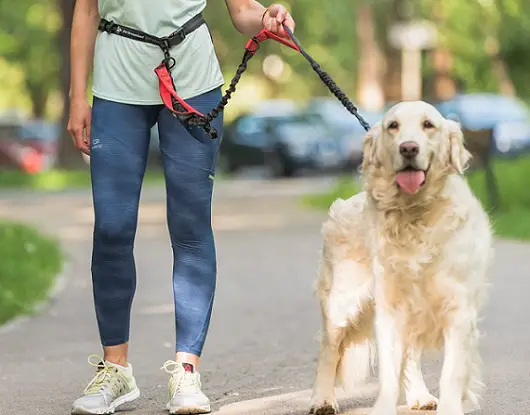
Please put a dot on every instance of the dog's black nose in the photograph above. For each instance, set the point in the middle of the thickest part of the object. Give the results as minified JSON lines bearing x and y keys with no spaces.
{"x":409,"y":149}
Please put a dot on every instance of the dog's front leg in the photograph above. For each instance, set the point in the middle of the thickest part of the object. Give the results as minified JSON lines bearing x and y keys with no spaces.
{"x":323,"y":401}
{"x":455,"y":369}
{"x":390,"y":349}
{"x":416,"y":392}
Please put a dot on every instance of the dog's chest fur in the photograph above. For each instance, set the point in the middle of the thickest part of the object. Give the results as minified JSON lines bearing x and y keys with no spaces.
{"x":410,"y":247}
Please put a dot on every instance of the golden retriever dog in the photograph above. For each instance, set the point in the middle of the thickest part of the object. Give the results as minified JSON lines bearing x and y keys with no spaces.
{"x":404,"y":268}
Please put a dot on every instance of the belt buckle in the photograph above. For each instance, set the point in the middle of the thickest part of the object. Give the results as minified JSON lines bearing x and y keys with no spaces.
{"x":177,"y":37}
{"x":165,"y":44}
{"x":107,"y":26}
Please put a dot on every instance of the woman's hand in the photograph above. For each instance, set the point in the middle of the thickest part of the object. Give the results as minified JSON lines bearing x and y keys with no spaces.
{"x":275,"y":17}
{"x":83,"y":38}
{"x":79,"y":124}
{"x":249,"y":17}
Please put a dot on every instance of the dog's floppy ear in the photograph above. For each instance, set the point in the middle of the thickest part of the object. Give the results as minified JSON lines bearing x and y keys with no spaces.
{"x":458,"y":155}
{"x":370,"y":144}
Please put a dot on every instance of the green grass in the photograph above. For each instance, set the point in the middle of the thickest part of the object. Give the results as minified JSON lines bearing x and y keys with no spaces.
{"x":29,"y":265}
{"x":344,"y":188}
{"x":511,"y":219}
{"x":54,"y":180}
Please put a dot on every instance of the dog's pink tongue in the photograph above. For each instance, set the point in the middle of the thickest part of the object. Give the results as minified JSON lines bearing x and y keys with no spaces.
{"x":410,"y":180}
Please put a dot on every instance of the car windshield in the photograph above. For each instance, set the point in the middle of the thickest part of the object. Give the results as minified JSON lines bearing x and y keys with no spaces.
{"x":335,"y":113}
{"x":300,"y":124}
{"x":482,"y":109}
{"x":38,"y":130}
{"x":297,"y":119}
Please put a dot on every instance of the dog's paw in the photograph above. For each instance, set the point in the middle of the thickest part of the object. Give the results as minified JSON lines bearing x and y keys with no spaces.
{"x":325,"y":407}
{"x":380,"y":409}
{"x":425,"y":402}
{"x":450,"y":409}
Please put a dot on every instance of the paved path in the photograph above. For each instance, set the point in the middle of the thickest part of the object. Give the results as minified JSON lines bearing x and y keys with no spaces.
{"x":261,"y":353}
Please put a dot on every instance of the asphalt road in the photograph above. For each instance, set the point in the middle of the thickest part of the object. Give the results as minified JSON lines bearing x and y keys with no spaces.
{"x":262,"y":344}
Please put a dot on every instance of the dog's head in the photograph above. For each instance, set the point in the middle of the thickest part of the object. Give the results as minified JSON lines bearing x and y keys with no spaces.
{"x":413,"y":147}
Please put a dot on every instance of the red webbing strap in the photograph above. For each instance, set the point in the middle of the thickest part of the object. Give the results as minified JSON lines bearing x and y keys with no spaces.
{"x":253,"y":43}
{"x":167,"y":90}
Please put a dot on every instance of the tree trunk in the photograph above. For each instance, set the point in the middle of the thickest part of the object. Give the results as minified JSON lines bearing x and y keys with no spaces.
{"x":393,"y":65}
{"x":506,"y":86}
{"x":443,"y":85}
{"x":370,"y":90}
{"x":39,"y":98}
{"x":69,"y":157}
{"x":392,"y":79}
{"x":500,"y":68}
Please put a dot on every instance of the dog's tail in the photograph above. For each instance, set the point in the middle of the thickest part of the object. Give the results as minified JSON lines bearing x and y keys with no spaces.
{"x":356,"y":363}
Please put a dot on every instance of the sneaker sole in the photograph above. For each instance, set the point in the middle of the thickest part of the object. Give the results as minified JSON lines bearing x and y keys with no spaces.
{"x":189,"y":410}
{"x":131,"y":396}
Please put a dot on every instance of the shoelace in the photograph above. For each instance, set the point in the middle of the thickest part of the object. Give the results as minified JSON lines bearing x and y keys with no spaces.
{"x":106,"y":376}
{"x":181,"y":381}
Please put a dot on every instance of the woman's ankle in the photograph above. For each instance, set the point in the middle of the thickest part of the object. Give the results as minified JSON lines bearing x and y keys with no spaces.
{"x":190,"y":358}
{"x":117,"y":355}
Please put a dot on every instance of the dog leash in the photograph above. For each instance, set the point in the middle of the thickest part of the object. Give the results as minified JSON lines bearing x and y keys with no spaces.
{"x":252,"y":47}
{"x":326,"y":79}
{"x":187,"y":113}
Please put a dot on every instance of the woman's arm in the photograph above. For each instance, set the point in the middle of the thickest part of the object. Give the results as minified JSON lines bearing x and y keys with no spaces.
{"x":249,"y":17}
{"x":82,"y":41}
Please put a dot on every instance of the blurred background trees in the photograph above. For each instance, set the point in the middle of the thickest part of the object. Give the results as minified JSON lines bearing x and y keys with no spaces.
{"x":482,"y":46}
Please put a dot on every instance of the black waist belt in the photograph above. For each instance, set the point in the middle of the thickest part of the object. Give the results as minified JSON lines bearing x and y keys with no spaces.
{"x":164,"y":43}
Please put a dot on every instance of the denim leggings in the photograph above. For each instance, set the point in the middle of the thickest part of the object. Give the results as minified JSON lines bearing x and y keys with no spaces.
{"x":120,"y":135}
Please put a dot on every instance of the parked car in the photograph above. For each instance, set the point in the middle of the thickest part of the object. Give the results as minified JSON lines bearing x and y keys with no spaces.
{"x":283,"y":141}
{"x":338,"y":119}
{"x":275,"y":107}
{"x":509,"y":118}
{"x":38,"y":136}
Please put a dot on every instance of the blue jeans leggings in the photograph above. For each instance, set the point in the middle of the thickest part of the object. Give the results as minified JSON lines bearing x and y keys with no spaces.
{"x":120,"y":135}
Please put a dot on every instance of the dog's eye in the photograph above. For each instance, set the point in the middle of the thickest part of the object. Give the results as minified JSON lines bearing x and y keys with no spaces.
{"x":393,"y":125}
{"x":428,"y":125}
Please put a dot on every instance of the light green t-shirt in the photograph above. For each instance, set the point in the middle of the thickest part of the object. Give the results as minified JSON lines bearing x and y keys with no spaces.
{"x":124,"y":68}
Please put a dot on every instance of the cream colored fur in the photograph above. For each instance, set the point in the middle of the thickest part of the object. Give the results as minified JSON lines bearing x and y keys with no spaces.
{"x":404,"y":272}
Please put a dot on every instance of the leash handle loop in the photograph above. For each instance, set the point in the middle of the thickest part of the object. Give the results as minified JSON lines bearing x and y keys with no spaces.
{"x":253,"y":43}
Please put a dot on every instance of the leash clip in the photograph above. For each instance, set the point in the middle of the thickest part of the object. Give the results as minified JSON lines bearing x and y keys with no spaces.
{"x":164,"y":44}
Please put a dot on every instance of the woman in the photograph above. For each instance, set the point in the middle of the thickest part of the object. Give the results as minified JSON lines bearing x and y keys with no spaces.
{"x":115,"y":133}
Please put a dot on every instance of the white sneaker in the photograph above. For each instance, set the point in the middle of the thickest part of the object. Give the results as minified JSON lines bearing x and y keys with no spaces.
{"x":185,"y":394}
{"x":111,"y":387}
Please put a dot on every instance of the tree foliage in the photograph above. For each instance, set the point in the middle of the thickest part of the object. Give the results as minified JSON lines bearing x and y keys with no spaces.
{"x":28,"y":39}
{"x":30,"y":32}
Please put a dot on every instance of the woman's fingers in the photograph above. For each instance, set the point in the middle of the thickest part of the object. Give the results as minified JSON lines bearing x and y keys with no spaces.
{"x":277,"y":16}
